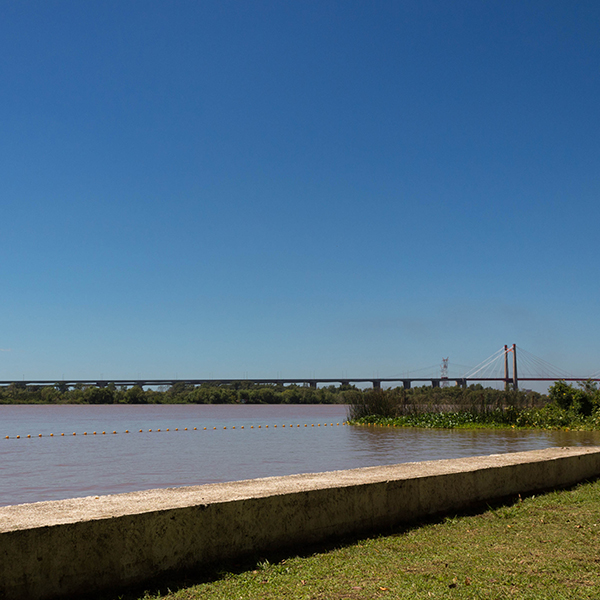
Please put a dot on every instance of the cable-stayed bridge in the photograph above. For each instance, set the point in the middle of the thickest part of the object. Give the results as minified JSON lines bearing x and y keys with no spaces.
{"x":510,"y":365}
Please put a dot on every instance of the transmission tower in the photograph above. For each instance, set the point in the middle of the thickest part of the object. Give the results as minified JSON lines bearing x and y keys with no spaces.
{"x":444,"y":372}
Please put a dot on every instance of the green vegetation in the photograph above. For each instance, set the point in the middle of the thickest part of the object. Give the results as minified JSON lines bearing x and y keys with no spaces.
{"x":237,"y":392}
{"x":535,"y":548}
{"x":565,"y":407}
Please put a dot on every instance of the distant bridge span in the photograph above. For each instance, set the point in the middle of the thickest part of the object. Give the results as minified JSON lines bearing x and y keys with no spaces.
{"x":310,"y":382}
{"x":481,"y":373}
{"x":406,"y":382}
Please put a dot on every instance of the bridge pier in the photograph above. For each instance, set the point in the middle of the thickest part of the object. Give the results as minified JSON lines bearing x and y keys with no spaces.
{"x":435,"y":383}
{"x":376,"y":384}
{"x":406,"y":384}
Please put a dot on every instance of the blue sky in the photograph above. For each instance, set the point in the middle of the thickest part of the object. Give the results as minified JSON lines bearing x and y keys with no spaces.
{"x":295,"y":189}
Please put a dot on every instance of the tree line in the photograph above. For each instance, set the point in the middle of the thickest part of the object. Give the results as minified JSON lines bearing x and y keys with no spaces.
{"x":388,"y":402}
{"x":179,"y":393}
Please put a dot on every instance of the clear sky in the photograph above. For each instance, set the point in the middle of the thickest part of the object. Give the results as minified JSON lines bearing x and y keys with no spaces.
{"x":296,"y":188}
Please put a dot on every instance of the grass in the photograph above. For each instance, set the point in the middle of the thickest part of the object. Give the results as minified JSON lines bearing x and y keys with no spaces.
{"x":540,"y":547}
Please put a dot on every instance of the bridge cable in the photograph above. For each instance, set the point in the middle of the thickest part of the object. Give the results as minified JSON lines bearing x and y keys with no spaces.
{"x":485,"y":364}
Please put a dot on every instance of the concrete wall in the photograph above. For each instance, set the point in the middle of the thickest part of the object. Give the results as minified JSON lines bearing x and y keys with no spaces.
{"x":80,"y":546}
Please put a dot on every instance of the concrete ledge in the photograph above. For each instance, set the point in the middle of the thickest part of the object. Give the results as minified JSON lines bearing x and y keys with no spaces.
{"x":80,"y":546}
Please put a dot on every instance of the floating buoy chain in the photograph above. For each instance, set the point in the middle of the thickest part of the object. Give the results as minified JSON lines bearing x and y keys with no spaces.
{"x":17,"y":437}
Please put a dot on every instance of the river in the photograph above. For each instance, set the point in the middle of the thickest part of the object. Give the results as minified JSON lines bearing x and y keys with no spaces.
{"x":221,"y":443}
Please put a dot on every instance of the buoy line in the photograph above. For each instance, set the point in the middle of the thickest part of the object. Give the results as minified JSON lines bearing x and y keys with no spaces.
{"x":169,"y":430}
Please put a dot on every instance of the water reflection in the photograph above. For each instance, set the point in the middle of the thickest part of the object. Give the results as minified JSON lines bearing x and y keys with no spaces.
{"x":382,"y":445}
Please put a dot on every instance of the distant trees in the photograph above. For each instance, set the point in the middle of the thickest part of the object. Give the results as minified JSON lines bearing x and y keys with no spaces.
{"x":134,"y":395}
{"x":583,"y":400}
{"x":97,"y":395}
{"x":236,"y":392}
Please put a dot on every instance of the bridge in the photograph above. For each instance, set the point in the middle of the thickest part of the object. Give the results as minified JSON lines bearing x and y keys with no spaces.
{"x":502,"y":366}
{"x":314,"y":383}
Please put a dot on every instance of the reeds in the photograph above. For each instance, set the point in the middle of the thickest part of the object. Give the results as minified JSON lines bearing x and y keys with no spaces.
{"x":475,"y":400}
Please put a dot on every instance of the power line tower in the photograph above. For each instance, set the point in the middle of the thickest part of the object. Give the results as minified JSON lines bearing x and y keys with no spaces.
{"x":444,"y":372}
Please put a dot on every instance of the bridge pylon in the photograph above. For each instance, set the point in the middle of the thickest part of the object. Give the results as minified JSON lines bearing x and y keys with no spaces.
{"x":507,"y":378}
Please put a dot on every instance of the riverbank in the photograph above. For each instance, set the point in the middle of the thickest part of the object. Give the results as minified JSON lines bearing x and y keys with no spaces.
{"x":565,"y":408}
{"x":57,"y":549}
{"x":541,"y":547}
{"x":549,"y":417}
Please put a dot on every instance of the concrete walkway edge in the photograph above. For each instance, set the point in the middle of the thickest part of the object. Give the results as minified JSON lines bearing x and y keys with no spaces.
{"x":85,"y":545}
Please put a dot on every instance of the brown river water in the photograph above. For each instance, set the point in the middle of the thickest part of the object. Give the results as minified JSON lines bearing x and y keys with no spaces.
{"x":229,"y":442}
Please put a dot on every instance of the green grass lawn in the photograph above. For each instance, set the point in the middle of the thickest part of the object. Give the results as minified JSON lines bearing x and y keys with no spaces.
{"x":544,"y":546}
